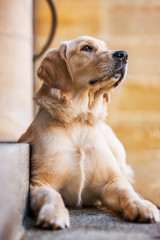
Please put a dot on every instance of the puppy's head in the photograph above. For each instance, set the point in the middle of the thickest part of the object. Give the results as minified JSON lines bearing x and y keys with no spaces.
{"x":84,"y":62}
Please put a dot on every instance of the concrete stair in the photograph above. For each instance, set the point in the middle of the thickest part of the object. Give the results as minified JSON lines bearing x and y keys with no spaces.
{"x":95,"y":224}
{"x":14,"y":188}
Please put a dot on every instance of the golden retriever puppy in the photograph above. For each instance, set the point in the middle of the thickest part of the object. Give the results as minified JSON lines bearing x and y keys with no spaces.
{"x":76,"y":158}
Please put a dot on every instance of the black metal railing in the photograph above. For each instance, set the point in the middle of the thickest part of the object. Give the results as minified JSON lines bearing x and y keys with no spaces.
{"x":52,"y":30}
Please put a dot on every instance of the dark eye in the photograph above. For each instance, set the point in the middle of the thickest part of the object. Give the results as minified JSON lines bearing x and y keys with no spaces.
{"x":86,"y":48}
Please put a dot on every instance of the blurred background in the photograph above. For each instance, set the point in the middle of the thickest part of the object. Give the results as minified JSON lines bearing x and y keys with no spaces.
{"x":134,"y":111}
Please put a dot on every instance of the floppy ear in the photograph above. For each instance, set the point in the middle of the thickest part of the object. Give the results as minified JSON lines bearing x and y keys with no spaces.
{"x":55,"y":71}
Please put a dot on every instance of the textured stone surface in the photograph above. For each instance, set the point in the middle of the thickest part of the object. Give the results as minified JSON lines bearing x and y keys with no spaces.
{"x":14,"y":185}
{"x":96,"y":225}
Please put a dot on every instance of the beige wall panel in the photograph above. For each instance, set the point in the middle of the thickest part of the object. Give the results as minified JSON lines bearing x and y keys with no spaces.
{"x":16,"y":18}
{"x":16,"y":83}
{"x":140,"y":97}
{"x":16,"y":87}
{"x":130,"y":19}
{"x":143,"y":134}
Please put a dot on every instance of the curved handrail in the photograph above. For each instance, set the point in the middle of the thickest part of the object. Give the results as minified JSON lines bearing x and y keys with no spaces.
{"x":52,"y":31}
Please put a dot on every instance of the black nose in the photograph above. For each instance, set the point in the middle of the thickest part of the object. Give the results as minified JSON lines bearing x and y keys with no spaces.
{"x":120,"y":55}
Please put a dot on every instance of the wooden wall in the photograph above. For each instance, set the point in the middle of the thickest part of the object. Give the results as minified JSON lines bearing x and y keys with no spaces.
{"x":134,"y":26}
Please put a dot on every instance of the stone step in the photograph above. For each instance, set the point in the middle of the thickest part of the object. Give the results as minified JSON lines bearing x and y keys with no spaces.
{"x":14,"y":187}
{"x":95,"y":224}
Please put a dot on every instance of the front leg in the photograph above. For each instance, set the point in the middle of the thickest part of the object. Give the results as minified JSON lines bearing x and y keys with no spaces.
{"x":119,"y":195}
{"x":50,"y":207}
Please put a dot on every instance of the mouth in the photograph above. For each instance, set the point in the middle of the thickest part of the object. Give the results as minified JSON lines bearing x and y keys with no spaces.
{"x":94,"y":81}
{"x":118,"y":75}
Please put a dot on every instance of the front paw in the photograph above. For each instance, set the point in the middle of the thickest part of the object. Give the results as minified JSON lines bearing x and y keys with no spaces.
{"x":52,"y":217}
{"x":141,"y":211}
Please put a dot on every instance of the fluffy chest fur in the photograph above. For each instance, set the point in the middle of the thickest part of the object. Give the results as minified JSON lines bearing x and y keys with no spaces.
{"x":72,"y":161}
{"x":70,"y":145}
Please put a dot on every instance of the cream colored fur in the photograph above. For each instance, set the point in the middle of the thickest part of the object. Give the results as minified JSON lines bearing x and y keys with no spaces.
{"x":76,"y":158}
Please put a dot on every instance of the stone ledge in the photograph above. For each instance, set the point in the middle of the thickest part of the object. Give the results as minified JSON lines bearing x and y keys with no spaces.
{"x":14,"y":186}
{"x":95,"y":224}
